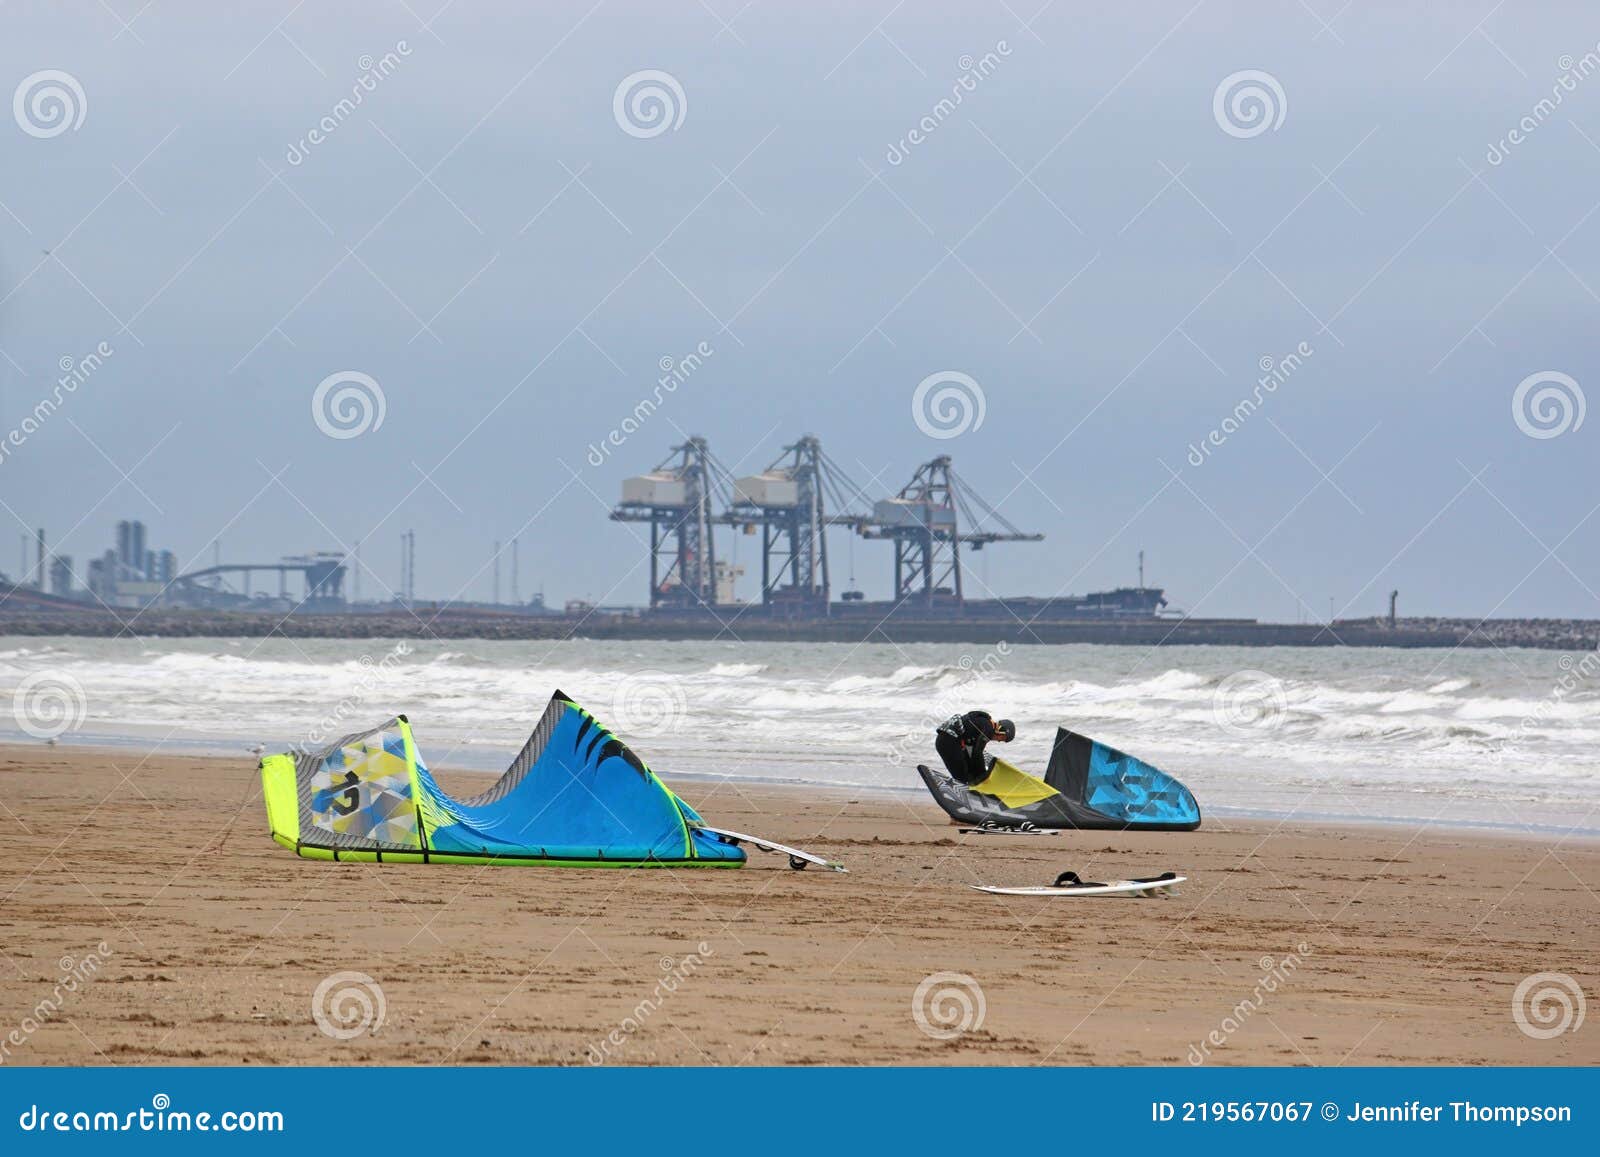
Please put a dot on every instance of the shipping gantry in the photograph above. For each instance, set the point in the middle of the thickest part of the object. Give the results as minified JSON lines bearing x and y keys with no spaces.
{"x":933,"y":520}
{"x":926,"y":520}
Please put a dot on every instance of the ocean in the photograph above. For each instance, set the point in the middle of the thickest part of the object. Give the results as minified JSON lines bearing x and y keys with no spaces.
{"x":1499,"y":738}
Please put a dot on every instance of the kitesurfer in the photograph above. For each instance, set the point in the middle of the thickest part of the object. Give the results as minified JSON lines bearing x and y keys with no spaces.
{"x":960,"y":741}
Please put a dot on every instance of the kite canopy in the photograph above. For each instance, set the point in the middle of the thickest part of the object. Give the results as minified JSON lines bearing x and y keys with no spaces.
{"x":1087,"y":785}
{"x":575,"y":796}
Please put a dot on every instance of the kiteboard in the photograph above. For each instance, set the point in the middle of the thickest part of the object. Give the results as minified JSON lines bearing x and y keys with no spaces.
{"x":797,"y":859}
{"x":1068,"y":884}
{"x":1001,"y":830}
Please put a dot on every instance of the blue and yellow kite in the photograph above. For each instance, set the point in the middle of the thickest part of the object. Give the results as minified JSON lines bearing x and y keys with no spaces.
{"x":575,"y":796}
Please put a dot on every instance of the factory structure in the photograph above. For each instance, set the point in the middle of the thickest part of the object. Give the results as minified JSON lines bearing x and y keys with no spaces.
{"x":131,"y":575}
{"x":933,"y":522}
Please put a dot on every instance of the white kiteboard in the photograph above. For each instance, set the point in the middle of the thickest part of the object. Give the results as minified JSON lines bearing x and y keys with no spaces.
{"x":1000,"y":831}
{"x":1068,"y":884}
{"x":797,"y":859}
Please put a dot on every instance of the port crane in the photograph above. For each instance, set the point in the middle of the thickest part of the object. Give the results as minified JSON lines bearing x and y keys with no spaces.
{"x":929,"y":520}
{"x":792,"y":503}
{"x":676,"y":499}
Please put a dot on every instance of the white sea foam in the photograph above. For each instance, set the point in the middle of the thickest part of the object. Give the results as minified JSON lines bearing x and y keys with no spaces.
{"x":737,"y":670}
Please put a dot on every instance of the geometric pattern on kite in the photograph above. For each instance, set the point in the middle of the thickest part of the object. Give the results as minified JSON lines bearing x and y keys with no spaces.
{"x":362,"y":791}
{"x":1130,"y":789}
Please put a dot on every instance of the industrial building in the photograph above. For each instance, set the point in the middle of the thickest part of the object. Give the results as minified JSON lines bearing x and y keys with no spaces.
{"x":131,"y":575}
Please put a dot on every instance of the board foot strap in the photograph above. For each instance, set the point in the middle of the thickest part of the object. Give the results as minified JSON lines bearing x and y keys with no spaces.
{"x":1072,"y":880}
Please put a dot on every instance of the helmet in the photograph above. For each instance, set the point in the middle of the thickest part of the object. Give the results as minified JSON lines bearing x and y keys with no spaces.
{"x":1007,"y":730}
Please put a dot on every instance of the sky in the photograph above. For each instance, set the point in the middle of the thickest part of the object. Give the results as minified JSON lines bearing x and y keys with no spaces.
{"x":1055,"y":215}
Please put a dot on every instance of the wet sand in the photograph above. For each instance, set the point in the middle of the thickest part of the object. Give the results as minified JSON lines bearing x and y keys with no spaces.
{"x":1290,"y":944}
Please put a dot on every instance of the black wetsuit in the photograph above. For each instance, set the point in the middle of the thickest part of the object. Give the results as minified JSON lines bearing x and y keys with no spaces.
{"x":960,"y":741}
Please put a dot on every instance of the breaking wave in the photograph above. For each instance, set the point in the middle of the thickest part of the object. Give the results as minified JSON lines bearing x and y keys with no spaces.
{"x":1503,"y":728}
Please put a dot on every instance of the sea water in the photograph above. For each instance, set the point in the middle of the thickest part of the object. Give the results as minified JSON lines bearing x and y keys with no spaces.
{"x":1504,"y":738}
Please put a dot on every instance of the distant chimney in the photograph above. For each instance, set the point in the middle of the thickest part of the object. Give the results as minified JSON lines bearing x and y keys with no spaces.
{"x":1393,"y":598}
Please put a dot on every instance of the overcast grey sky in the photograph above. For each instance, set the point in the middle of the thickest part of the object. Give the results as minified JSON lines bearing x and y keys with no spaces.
{"x":1105,"y":249}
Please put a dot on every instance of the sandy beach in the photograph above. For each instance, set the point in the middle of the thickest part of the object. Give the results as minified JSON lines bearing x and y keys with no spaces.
{"x":146,"y":917}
